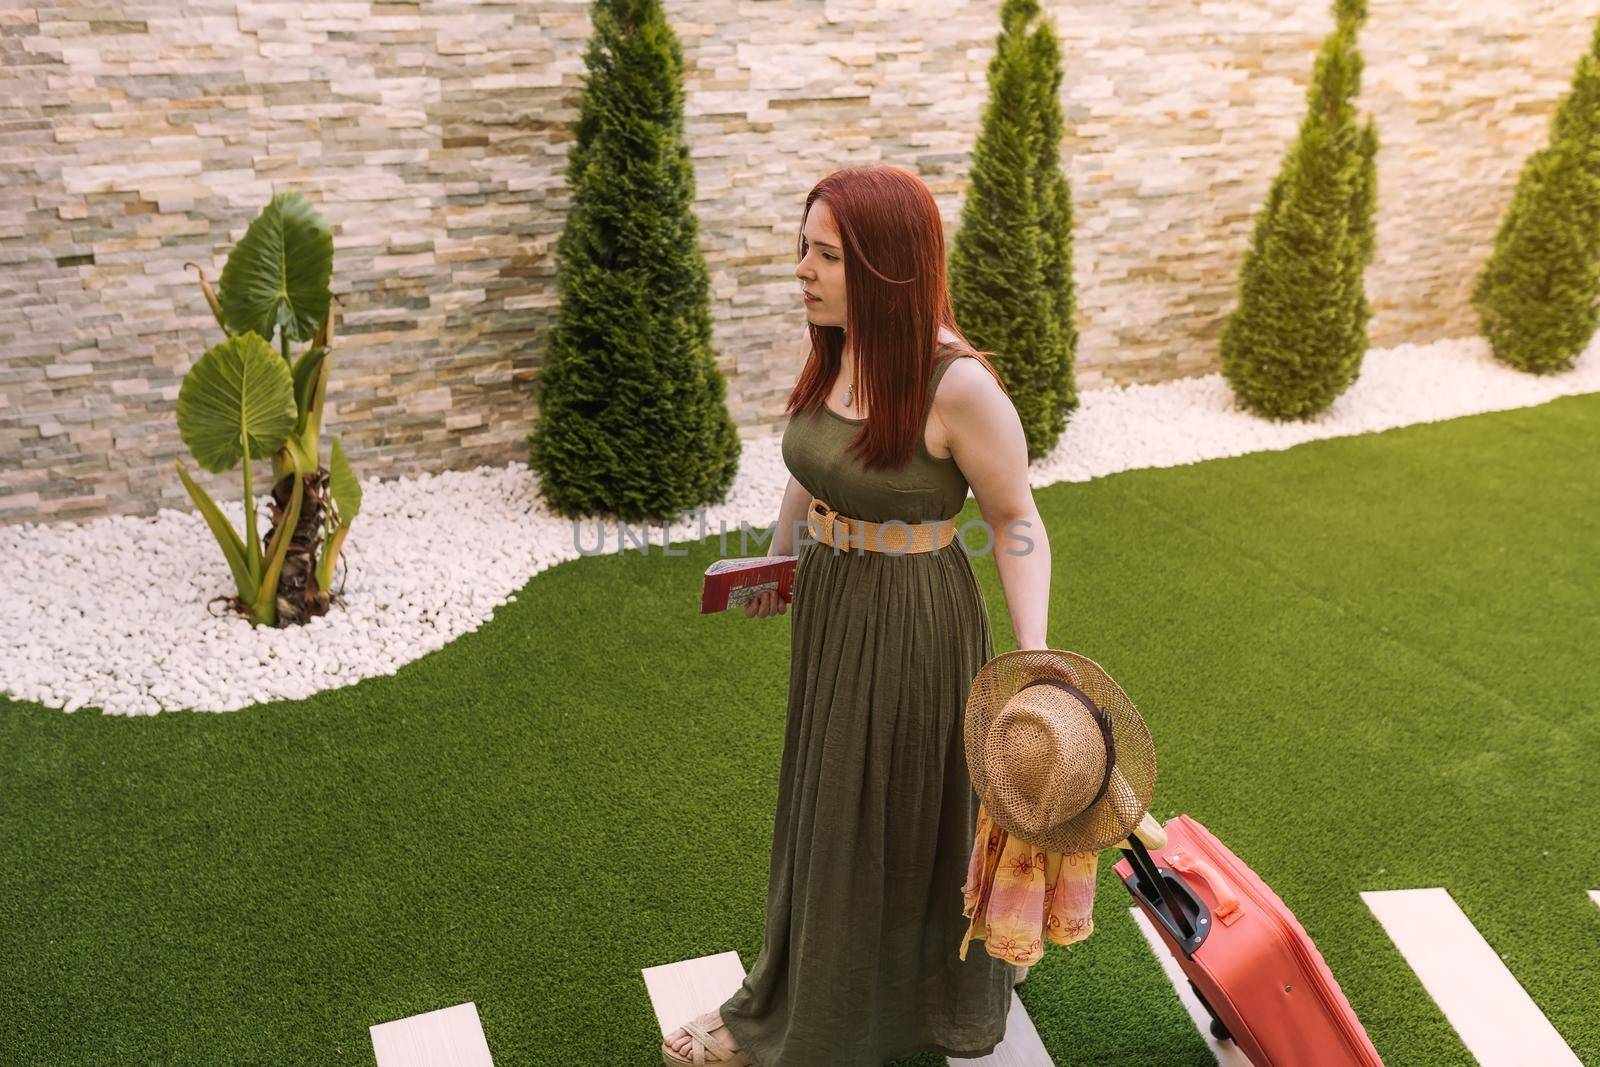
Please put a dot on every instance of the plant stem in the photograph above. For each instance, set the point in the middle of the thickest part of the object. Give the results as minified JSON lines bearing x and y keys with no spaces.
{"x":252,"y":542}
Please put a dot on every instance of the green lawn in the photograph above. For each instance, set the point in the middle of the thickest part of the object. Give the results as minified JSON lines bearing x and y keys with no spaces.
{"x":1367,"y":662}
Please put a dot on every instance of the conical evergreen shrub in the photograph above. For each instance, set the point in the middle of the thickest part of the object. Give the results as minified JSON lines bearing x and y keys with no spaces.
{"x":1055,"y":227}
{"x":632,"y":422}
{"x":1001,"y":260}
{"x":1536,"y":295}
{"x":1295,"y":340}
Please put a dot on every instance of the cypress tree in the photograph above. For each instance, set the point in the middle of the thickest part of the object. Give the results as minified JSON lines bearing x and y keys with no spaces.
{"x":1536,"y":295}
{"x":998,"y":259}
{"x":1055,"y":227}
{"x":632,"y":420}
{"x":1296,"y":339}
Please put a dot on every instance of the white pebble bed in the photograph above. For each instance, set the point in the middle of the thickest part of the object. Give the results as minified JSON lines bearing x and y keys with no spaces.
{"x":112,"y":613}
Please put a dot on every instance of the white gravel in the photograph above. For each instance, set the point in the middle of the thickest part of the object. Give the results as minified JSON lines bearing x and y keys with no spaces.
{"x":112,"y":613}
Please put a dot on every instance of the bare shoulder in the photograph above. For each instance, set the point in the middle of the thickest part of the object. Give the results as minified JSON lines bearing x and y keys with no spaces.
{"x":967,"y":386}
{"x":968,"y":398}
{"x":965,"y":373}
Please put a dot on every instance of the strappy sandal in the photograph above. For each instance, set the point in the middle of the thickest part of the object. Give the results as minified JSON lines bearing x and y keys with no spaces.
{"x":702,"y":1045}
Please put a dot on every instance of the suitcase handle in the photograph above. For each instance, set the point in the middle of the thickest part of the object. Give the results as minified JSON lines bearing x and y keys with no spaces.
{"x":1227,"y":909}
{"x":1145,"y":868}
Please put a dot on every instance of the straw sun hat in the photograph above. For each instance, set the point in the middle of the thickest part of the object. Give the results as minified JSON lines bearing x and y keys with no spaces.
{"x":1057,"y":752}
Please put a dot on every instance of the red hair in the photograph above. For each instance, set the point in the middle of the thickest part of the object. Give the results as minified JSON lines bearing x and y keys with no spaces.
{"x":896,"y":299}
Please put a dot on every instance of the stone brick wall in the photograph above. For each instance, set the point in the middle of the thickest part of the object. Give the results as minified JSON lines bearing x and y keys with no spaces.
{"x":136,"y":137}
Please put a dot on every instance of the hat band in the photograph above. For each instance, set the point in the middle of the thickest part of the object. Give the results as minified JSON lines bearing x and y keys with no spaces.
{"x":1101,"y":720}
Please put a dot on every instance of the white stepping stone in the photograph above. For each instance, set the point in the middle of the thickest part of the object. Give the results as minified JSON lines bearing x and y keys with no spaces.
{"x":1494,"y":1016}
{"x":1227,"y":1053}
{"x":1594,"y":895}
{"x":448,"y":1037}
{"x":680,"y":991}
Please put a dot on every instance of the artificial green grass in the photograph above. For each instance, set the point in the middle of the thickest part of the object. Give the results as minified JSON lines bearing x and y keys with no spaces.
{"x":1367,"y":663}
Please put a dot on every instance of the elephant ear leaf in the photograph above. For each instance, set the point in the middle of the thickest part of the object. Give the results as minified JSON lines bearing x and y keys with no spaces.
{"x":238,"y":395}
{"x":347,"y":503}
{"x":342,"y":482}
{"x":277,"y":275}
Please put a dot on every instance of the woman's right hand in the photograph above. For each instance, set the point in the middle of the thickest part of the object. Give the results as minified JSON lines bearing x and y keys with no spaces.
{"x":765,"y":603}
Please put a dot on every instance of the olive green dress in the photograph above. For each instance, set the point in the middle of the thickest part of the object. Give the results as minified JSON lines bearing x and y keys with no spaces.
{"x":876,"y":813}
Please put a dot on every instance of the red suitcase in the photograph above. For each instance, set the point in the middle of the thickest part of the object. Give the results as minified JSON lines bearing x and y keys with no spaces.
{"x":1247,"y":957}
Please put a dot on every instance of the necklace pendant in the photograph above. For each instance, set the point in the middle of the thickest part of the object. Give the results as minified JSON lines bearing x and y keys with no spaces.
{"x":848,"y":392}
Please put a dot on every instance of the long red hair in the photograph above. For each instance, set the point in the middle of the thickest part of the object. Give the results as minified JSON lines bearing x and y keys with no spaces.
{"x":896,"y":299}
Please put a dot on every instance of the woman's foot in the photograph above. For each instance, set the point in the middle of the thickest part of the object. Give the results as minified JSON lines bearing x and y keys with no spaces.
{"x":679,"y":1040}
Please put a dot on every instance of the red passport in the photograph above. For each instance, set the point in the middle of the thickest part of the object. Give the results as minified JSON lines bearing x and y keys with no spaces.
{"x":732,"y":582}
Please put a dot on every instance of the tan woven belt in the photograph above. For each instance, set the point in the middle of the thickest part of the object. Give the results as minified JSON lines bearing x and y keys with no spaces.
{"x":896,"y":536}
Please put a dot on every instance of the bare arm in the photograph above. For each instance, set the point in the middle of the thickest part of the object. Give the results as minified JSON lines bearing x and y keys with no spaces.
{"x":791,"y":513}
{"x":987,"y":441}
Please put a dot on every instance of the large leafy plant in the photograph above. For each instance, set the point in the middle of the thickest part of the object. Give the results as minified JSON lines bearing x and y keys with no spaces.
{"x":244,"y":401}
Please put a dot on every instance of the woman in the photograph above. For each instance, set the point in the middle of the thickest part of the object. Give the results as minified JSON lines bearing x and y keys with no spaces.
{"x":894,"y":417}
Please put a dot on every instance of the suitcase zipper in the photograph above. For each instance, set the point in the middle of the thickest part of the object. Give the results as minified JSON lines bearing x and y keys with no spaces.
{"x":1295,"y":946}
